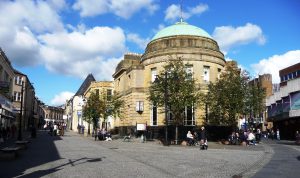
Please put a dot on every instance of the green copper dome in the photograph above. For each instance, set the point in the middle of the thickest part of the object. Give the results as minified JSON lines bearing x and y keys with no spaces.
{"x":181,"y":28}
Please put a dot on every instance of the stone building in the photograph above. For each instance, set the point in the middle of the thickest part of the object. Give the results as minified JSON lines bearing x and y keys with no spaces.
{"x":105,"y":90}
{"x":77,"y":103}
{"x":23,"y":99}
{"x":284,"y":105}
{"x":265,"y":82}
{"x":134,"y":74}
{"x":6,"y":91}
{"x":53,"y":114}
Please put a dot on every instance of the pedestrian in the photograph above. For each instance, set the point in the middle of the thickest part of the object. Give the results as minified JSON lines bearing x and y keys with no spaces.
{"x":297,"y":137}
{"x":203,"y":139}
{"x":13,"y":130}
{"x":277,"y":134}
{"x":272,"y":134}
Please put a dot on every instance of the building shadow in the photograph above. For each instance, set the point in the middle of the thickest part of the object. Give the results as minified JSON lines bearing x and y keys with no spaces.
{"x":41,"y":150}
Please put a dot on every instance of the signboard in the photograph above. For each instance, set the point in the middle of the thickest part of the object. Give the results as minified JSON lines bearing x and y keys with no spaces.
{"x":295,"y":100}
{"x":141,"y":127}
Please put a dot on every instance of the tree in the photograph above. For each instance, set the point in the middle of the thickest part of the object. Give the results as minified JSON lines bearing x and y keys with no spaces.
{"x":112,"y":105}
{"x":98,"y":106}
{"x":225,"y":98}
{"x":92,"y":110}
{"x":173,"y":90}
{"x":233,"y":95}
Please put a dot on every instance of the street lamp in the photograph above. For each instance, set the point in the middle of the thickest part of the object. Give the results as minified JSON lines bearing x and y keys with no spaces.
{"x":21,"y":114}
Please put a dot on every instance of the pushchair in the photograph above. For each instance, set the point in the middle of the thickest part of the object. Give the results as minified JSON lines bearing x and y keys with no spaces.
{"x":203,"y":145}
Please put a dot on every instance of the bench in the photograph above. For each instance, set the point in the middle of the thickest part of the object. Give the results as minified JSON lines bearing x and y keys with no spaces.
{"x":127,"y":138}
{"x":22,"y":144}
{"x":10,"y":152}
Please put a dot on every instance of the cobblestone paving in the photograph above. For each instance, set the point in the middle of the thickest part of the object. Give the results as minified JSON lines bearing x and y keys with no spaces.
{"x":77,"y":156}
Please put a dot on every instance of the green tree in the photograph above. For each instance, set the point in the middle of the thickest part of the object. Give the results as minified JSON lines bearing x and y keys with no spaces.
{"x":112,"y":106}
{"x":233,"y":95}
{"x":225,"y":98}
{"x":173,"y":90}
{"x":92,"y":110}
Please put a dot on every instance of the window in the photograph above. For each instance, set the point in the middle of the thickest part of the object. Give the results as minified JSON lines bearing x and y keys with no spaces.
{"x":109,"y":94}
{"x":18,"y":80}
{"x":154,"y":115}
{"x":294,"y":74}
{"x":17,"y":96}
{"x":290,"y":76}
{"x":153,"y":74}
{"x":189,"y":72}
{"x":286,"y":78}
{"x":206,"y":74}
{"x":189,"y":116}
{"x":282,"y":78}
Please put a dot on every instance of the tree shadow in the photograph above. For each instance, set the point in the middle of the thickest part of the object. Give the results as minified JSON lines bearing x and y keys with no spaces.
{"x":41,"y":173}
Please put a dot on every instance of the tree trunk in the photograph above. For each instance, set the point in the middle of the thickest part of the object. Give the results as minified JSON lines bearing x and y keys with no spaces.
{"x":176,"y":134}
{"x":89,"y":129}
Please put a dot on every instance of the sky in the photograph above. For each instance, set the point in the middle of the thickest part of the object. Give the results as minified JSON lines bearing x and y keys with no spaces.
{"x":57,"y":43}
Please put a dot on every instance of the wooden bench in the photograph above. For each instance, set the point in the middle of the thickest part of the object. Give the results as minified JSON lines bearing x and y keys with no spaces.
{"x":10,"y":152}
{"x":127,"y":138}
{"x":22,"y":144}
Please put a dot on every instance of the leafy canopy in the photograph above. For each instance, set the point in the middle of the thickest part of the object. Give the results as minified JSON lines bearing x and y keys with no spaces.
{"x":174,"y":89}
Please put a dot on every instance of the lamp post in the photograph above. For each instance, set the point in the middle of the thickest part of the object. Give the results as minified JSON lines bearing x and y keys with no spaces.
{"x":165,"y":86}
{"x":166,"y":109}
{"x":21,"y":113}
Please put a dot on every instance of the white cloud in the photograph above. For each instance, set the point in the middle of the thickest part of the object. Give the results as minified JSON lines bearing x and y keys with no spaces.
{"x":173,"y":12}
{"x":135,"y":38}
{"x":32,"y":33}
{"x":61,"y":98}
{"x":273,"y":64}
{"x":20,"y":21}
{"x":80,"y":53}
{"x":228,"y":36}
{"x":121,"y":8}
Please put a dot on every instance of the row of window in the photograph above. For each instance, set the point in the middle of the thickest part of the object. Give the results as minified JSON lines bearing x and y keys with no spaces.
{"x":189,"y":119}
{"x":290,"y":76}
{"x":109,"y":93}
{"x":189,"y":71}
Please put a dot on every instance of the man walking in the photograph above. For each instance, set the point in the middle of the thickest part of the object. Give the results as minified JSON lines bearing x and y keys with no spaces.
{"x":203,"y":139}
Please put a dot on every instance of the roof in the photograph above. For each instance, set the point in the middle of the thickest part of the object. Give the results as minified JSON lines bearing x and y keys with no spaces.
{"x":181,"y":28}
{"x":90,"y":78}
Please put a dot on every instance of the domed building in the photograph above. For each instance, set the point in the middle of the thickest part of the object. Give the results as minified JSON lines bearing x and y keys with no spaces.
{"x":134,"y":74}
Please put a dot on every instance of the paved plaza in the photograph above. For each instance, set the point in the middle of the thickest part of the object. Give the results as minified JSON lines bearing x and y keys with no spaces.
{"x":76,"y":156}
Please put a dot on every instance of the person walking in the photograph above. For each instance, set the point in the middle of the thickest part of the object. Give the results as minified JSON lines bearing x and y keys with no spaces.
{"x":203,"y":139}
{"x":277,"y":134}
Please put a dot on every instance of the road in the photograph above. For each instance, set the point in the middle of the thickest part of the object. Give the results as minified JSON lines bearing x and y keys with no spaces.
{"x":77,"y":156}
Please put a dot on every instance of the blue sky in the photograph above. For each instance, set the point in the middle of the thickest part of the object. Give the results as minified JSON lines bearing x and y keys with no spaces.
{"x":57,"y":43}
